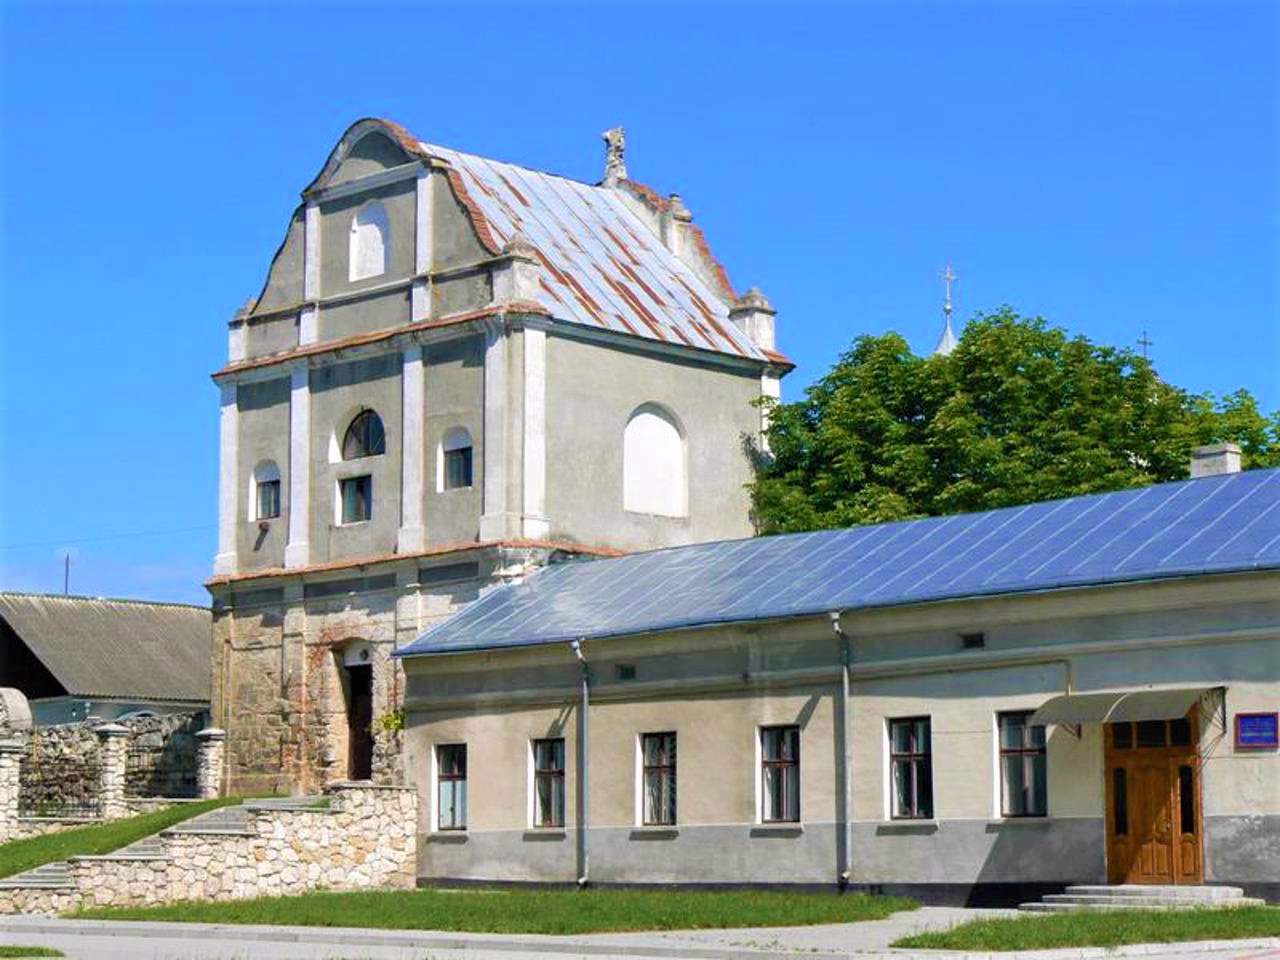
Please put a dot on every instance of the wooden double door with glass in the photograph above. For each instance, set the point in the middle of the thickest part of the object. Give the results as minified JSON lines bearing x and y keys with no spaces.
{"x":1154,"y":831}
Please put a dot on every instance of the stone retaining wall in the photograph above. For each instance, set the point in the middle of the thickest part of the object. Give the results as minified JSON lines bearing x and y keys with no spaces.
{"x":364,"y":838}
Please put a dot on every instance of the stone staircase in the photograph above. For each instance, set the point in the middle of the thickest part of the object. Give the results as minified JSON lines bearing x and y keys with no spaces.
{"x":1141,"y":897}
{"x":56,"y":877}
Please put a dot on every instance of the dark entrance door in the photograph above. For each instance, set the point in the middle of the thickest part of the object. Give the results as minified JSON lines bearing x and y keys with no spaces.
{"x":359,"y":722}
{"x":1154,"y":832}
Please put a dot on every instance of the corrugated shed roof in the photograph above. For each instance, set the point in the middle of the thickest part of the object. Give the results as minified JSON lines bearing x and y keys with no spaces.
{"x":1212,"y":525}
{"x":115,"y":648}
{"x":602,"y":265}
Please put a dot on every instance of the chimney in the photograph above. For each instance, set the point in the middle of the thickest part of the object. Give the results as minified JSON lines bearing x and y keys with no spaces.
{"x":1215,"y":460}
{"x":754,"y":314}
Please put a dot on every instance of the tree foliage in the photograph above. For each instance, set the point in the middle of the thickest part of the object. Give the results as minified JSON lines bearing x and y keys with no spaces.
{"x":1019,"y":412}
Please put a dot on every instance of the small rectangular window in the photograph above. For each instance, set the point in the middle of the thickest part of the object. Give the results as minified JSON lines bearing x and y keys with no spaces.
{"x":457,"y":468}
{"x":1186,"y":799}
{"x":911,"y":768}
{"x":357,"y":499}
{"x":268,"y":499}
{"x":780,"y":774}
{"x":1122,"y":735}
{"x":1180,"y":732}
{"x":973,"y":641}
{"x":1151,"y":733}
{"x":1023,"y":767}
{"x":451,"y":767}
{"x":658,"y":755}
{"x":548,"y":783}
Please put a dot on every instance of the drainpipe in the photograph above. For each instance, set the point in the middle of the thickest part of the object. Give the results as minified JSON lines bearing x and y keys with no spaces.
{"x":584,"y":856}
{"x":844,"y":857}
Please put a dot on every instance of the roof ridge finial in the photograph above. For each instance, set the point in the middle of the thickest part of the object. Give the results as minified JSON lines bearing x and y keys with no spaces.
{"x":615,"y":165}
{"x":947,"y":342}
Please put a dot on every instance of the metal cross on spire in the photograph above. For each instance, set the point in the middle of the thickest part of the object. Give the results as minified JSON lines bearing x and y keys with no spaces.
{"x":1145,"y":343}
{"x":947,"y":342}
{"x":948,"y":278}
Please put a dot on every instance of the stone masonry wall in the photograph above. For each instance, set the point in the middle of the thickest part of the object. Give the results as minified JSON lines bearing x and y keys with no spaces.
{"x":278,"y":680}
{"x":365,"y":838}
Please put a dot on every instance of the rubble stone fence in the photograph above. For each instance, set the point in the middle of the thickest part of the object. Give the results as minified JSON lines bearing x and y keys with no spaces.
{"x":364,"y":838}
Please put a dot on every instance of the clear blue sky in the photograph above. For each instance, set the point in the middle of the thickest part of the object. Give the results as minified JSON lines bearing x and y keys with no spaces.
{"x":1111,"y":166}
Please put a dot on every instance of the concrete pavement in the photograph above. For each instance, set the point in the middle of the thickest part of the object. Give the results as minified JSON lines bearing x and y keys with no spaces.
{"x":126,"y":940}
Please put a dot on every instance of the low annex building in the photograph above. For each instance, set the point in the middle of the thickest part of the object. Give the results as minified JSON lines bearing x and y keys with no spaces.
{"x":975,"y":708}
{"x":79,"y":657}
{"x":458,"y":370}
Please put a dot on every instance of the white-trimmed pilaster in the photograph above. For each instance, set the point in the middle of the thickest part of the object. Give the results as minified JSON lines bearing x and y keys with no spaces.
{"x":308,"y":320}
{"x":770,"y":389}
{"x":413,"y":534}
{"x":297,"y":553}
{"x":238,"y":342}
{"x":534,"y":522}
{"x":228,"y":488}
{"x":496,"y":519}
{"x":423,"y":246}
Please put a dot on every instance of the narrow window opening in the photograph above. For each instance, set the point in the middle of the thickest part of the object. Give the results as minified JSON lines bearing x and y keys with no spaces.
{"x":973,"y":641}
{"x":1122,"y":735}
{"x":548,"y":783}
{"x":268,"y":499}
{"x":780,"y":774}
{"x":1119,"y":787}
{"x":1187,"y":799}
{"x":1023,"y":767}
{"x":911,"y":768}
{"x":451,"y":761}
{"x":659,"y":779}
{"x":456,"y":461}
{"x":1151,"y":733}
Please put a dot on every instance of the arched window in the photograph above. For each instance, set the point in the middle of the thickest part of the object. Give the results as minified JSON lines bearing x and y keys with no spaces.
{"x":454,"y":464}
{"x":266,"y":491}
{"x":370,"y":246}
{"x":654,"y":474}
{"x":365,"y":437}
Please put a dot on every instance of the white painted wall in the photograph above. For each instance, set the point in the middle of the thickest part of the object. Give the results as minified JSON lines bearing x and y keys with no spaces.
{"x":370,"y":243}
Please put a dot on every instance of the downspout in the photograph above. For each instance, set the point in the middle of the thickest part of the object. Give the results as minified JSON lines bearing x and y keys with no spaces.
{"x":584,"y":856}
{"x":844,"y":856}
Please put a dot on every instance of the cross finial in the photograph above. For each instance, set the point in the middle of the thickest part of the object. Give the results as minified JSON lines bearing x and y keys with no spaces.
{"x":948,"y":278}
{"x":1145,"y":343}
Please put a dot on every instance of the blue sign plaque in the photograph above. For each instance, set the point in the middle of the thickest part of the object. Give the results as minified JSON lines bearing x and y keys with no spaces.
{"x":1257,"y":731}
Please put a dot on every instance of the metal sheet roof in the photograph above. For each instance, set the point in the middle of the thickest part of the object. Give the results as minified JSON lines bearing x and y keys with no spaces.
{"x":115,"y":648}
{"x":1212,"y":525}
{"x":603,"y":266}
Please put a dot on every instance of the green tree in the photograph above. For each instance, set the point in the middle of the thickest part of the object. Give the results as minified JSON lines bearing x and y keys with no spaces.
{"x":1019,"y":412}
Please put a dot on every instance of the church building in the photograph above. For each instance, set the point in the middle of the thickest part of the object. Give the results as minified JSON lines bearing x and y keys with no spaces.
{"x":458,"y":370}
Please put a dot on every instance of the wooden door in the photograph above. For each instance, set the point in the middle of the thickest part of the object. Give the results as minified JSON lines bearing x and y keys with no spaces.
{"x":1154,"y":832}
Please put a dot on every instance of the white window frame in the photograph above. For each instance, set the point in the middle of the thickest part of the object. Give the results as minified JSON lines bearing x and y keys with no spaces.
{"x":760,"y":820}
{"x":265,"y":472}
{"x":337,"y":498}
{"x":531,"y":785}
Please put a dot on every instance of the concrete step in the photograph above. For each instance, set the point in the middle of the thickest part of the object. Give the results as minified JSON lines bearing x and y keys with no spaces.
{"x":1090,"y":900}
{"x":1204,"y":892}
{"x":1135,"y":903}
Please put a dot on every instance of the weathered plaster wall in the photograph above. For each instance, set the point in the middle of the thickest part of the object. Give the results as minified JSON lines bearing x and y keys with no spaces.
{"x":339,"y":392}
{"x":284,"y":279}
{"x":591,"y":394}
{"x":263,"y":424}
{"x":373,"y":153}
{"x":399,"y":200}
{"x":273,"y":334}
{"x":454,"y":398}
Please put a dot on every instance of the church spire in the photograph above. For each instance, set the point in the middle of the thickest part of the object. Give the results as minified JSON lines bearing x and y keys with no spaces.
{"x":947,"y":342}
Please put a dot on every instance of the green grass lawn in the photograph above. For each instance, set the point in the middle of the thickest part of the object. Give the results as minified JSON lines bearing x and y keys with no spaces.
{"x":1097,"y":928}
{"x":19,"y":855}
{"x":30,"y":952}
{"x":528,"y":911}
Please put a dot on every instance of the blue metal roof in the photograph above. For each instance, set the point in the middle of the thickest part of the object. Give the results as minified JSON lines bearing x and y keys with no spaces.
{"x":1217,"y":524}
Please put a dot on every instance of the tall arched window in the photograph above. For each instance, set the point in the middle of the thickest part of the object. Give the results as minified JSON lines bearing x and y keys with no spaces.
{"x":370,"y":246}
{"x":654,"y":472}
{"x":365,"y":437}
{"x":454,"y":464}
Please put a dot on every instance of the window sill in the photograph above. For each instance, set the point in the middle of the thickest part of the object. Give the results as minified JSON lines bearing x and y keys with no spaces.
{"x":777,"y":830}
{"x":544,"y":833}
{"x":348,"y":526}
{"x":447,"y":836}
{"x":655,"y":832}
{"x":998,"y":823}
{"x":907,"y":827}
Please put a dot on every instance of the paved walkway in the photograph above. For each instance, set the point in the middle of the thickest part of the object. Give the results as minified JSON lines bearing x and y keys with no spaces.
{"x":122,"y":940}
